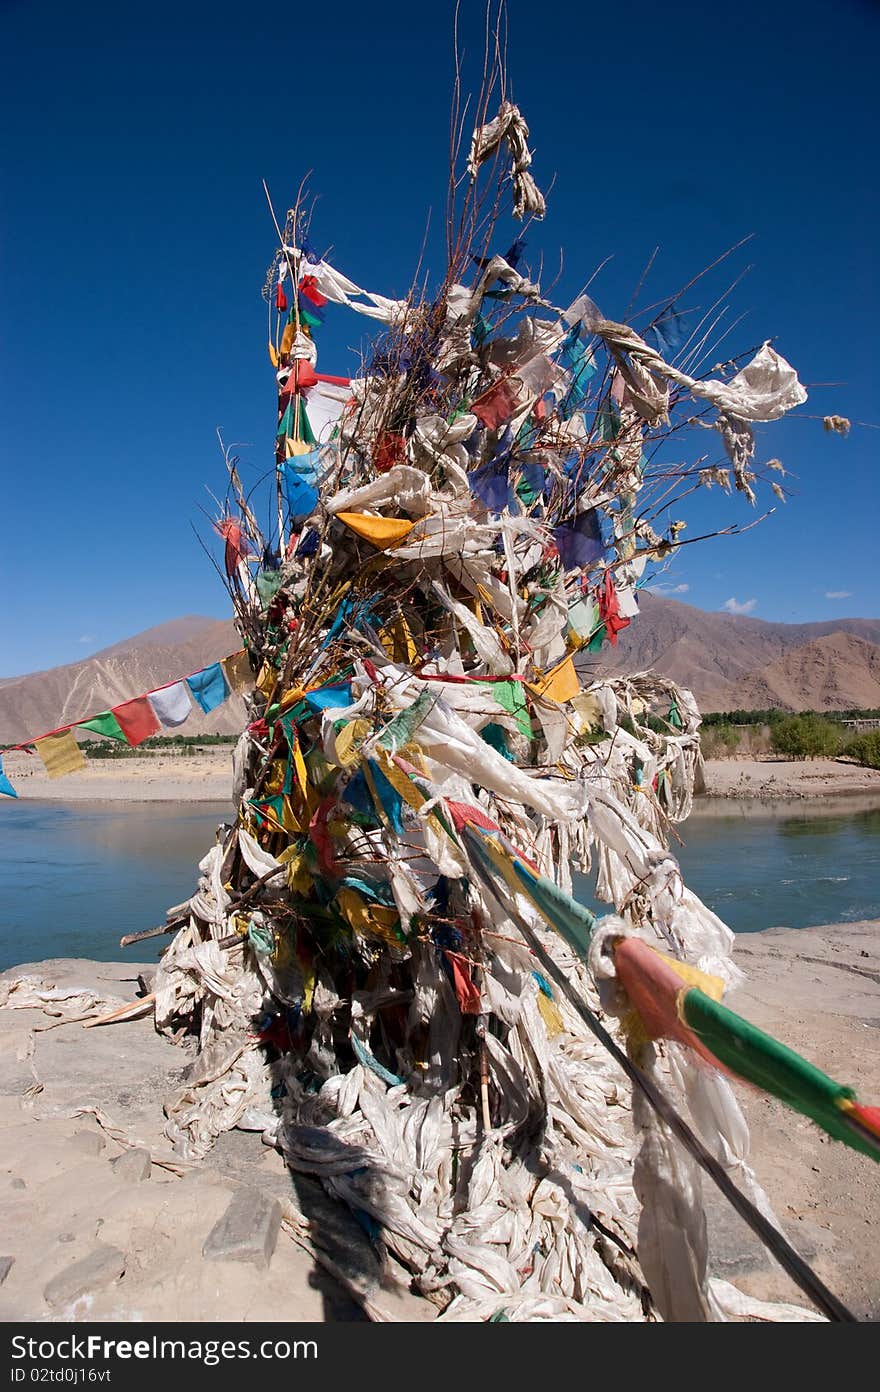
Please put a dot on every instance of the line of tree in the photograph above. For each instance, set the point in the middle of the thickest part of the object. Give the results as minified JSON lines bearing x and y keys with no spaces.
{"x":171,"y":744}
{"x":805,"y":735}
{"x":773,"y":715}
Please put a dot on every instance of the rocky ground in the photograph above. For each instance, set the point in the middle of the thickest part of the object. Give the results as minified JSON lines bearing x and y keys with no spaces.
{"x":100,"y":1221}
{"x":99,"y":1228}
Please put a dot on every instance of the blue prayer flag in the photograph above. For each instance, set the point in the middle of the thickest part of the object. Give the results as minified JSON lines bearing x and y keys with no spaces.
{"x":208,"y":687}
{"x":326,"y":697}
{"x":580,"y":543}
{"x":5,"y":786}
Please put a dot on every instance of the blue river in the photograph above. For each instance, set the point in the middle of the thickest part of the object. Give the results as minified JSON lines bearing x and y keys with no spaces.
{"x":76,"y":877}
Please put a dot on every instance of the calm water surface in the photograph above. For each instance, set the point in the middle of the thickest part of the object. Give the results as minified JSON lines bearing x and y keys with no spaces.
{"x":76,"y":877}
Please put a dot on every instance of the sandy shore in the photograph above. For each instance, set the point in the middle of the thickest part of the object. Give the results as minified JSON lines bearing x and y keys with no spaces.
{"x":63,"y":1200}
{"x":207,"y":777}
{"x":788,"y":778}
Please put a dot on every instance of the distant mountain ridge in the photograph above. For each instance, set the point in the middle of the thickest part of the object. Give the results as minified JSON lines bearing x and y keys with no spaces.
{"x":735,"y":662}
{"x":728,"y":661}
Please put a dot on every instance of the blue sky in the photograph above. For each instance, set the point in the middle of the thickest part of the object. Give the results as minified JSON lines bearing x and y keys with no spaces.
{"x":135,"y":239}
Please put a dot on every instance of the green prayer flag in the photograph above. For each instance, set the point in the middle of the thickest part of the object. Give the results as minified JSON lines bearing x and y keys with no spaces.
{"x":286,"y":426}
{"x":762,"y":1060}
{"x":401,"y":729}
{"x":308,"y":315}
{"x":104,"y":724}
{"x":512,"y":697}
{"x":305,"y":432}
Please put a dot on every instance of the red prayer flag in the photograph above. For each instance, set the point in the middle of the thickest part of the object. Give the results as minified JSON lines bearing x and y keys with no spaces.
{"x":309,"y":287}
{"x":137,"y":720}
{"x":465,"y":990}
{"x":496,"y":406}
{"x":609,"y":610}
{"x":390,"y":450}
{"x":653,"y":988}
{"x":301,"y":377}
{"x":462,"y":813}
{"x":280,"y":298}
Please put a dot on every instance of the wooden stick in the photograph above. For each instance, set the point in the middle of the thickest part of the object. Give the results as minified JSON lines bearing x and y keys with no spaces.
{"x":152,"y":932}
{"x":123,"y":1011}
{"x":233,"y":940}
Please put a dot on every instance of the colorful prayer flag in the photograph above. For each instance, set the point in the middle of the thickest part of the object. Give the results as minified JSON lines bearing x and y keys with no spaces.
{"x":60,"y":754}
{"x":137,"y":720}
{"x":209,"y":687}
{"x":171,"y":705}
{"x":5,"y":786}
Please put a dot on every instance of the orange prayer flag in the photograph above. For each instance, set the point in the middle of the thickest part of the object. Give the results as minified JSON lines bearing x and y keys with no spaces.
{"x":559,"y":684}
{"x":380,"y":532}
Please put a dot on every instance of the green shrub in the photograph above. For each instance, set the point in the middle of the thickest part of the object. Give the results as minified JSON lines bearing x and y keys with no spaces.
{"x":728,"y":736}
{"x":805,"y":736}
{"x":865,"y":749}
{"x":720,"y":740}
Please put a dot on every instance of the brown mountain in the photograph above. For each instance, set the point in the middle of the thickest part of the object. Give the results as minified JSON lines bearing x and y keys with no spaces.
{"x":41,"y":701}
{"x":728,"y":661}
{"x":837,"y":671}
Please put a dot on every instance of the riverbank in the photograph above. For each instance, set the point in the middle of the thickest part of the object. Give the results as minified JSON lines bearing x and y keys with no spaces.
{"x":207,"y":777}
{"x":789,"y":779}
{"x":87,"y":1176}
{"x":161,"y":777}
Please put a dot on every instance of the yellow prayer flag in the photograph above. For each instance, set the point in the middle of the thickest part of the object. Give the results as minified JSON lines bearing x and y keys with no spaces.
{"x":397,"y":640}
{"x":267,"y":680}
{"x":692,"y":976}
{"x":237,"y":670}
{"x":373,"y":920}
{"x":551,"y":1015}
{"x":60,"y":754}
{"x":349,"y":740}
{"x":299,"y":765}
{"x":559,"y":684}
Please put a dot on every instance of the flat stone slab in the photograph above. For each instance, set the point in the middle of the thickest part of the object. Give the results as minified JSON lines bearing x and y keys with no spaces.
{"x":248,"y":1230}
{"x":87,"y":1142}
{"x":100,"y":1268}
{"x":133,"y":1165}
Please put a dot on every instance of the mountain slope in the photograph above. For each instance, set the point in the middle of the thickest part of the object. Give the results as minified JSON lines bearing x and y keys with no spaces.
{"x":41,"y":701}
{"x":837,"y":670}
{"x":721,"y":657}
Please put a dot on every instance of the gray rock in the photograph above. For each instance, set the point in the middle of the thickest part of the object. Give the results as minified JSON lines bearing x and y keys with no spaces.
{"x":133,"y":1165}
{"x":102,"y":1267}
{"x":5,"y":1267}
{"x":87,"y":1142}
{"x":247,"y":1232}
{"x":17,"y":1183}
{"x":67,"y":1237}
